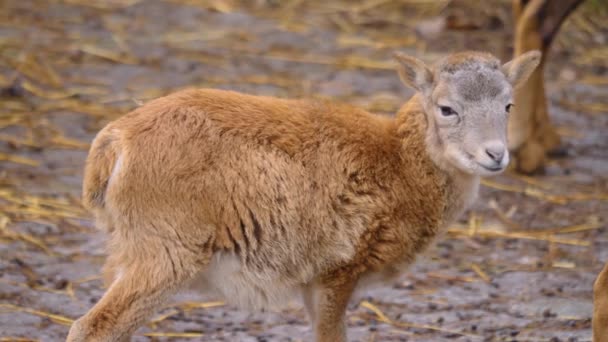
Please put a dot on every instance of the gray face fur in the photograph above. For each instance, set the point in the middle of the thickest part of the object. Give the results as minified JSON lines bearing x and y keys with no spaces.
{"x":466,"y":98}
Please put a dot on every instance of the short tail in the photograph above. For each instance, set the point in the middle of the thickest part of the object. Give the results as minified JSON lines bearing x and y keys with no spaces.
{"x":99,"y":165}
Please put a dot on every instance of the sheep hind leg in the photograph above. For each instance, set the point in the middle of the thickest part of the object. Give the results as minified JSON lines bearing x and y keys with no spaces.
{"x":144,"y":279}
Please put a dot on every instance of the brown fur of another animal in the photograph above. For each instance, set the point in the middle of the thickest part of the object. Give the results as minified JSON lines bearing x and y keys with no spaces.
{"x":259,"y":198}
{"x":600,"y":307}
{"x":531,"y":134}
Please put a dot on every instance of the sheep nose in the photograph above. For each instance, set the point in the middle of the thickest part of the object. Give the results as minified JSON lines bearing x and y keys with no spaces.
{"x":496,"y":152}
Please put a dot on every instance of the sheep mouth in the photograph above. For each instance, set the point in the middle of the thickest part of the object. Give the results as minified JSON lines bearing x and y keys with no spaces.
{"x":491,"y":168}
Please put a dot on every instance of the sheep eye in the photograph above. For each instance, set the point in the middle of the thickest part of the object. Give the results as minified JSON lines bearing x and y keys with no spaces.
{"x":447,"y":111}
{"x":508,"y":108}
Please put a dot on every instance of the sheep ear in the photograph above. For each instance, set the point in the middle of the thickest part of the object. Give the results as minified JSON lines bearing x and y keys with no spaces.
{"x":413,"y":72}
{"x":519,"y":69}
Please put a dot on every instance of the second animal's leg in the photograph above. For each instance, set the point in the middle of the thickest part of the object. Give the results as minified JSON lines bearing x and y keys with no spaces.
{"x":531,"y":134}
{"x":551,"y":17}
{"x":529,"y":154}
{"x":600,"y":307}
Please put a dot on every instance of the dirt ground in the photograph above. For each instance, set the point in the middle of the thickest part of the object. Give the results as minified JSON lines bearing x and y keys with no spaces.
{"x":519,"y":266}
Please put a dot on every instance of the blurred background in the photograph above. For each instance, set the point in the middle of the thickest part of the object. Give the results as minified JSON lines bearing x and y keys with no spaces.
{"x":518,"y":266}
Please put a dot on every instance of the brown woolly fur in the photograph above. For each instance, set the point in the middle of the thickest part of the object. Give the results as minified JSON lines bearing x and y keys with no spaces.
{"x":259,"y":198}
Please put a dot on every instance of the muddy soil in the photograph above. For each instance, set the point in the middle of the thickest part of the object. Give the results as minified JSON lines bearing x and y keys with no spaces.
{"x":518,"y":266}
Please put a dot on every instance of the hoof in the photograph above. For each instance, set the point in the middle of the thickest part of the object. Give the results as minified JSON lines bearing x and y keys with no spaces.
{"x":548,"y":137}
{"x":530,"y":158}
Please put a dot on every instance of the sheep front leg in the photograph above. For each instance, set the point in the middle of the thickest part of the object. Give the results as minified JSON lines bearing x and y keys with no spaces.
{"x":328,"y":302}
{"x":600,"y":307}
{"x":308,"y":296}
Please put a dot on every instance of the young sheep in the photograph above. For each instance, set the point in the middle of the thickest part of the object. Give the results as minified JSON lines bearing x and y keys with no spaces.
{"x":260,"y":198}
